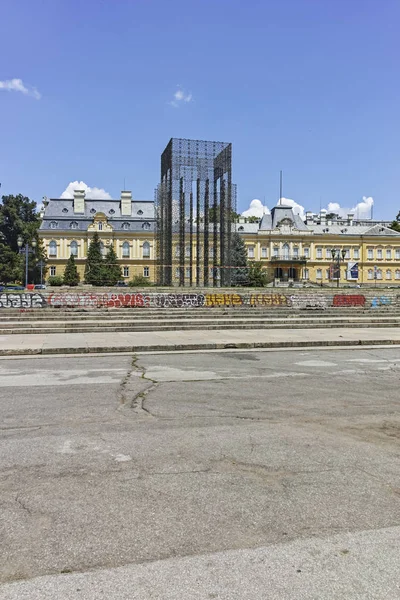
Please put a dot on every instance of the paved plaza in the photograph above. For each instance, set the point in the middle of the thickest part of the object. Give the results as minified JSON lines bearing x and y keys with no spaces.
{"x":245,"y":475}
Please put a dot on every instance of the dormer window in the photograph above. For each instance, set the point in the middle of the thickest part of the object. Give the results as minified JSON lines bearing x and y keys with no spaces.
{"x":93,"y":211}
{"x":146,"y":226}
{"x":126,"y":225}
{"x":140,"y":212}
{"x":65,"y":210}
{"x":53,"y":224}
{"x":241,"y":228}
{"x":73,"y":225}
{"x":111,"y":211}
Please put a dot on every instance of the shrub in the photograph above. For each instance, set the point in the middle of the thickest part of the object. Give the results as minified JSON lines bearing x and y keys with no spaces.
{"x":139,"y":280}
{"x":55,"y":280}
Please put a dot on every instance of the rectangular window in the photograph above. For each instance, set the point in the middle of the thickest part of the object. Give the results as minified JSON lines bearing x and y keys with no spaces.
{"x":276,"y":251}
{"x":306,"y":252}
{"x":388,"y":274}
{"x":126,"y":271}
{"x":100,"y":226}
{"x":187,"y":251}
{"x":388,"y":253}
{"x":328,"y":274}
{"x":146,"y":272}
{"x":177,"y":272}
{"x":250,"y":251}
{"x":52,"y":271}
{"x":356,"y":253}
{"x":295,"y":252}
{"x":370,"y":254}
{"x":347,"y":255}
{"x":264,"y":252}
{"x":211,"y":252}
{"x":397,"y":251}
{"x":187,"y":272}
{"x":370,"y":274}
{"x":328,"y":253}
{"x":306,"y":274}
{"x":319,"y":252}
{"x":177,"y":252}
{"x":319,"y":273}
{"x":397,"y":274}
{"x":379,"y":253}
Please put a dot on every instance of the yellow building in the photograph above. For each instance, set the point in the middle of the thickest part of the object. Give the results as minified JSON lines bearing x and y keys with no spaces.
{"x":128,"y":225}
{"x":292,"y":250}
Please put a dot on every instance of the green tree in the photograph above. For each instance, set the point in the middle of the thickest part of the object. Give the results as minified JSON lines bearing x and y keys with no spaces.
{"x":396,"y":223}
{"x":238,"y":260}
{"x":253,"y":219}
{"x":94,"y":268}
{"x":258,"y":275}
{"x":112,"y":270}
{"x":18,"y":217}
{"x":71,"y":275}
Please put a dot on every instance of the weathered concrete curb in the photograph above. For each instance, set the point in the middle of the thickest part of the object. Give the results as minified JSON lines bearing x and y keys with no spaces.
{"x":191,"y":347}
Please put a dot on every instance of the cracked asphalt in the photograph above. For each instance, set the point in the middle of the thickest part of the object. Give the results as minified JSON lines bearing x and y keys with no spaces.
{"x":241,"y":474}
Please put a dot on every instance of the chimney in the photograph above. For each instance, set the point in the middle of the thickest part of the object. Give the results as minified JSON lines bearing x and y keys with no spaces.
{"x":126,"y":204}
{"x":79,"y":201}
{"x":322,"y":217}
{"x":350,"y":218}
{"x":309,"y":217}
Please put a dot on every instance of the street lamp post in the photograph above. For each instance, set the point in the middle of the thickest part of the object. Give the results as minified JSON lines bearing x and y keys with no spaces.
{"x":338,"y":254}
{"x":25,"y":250}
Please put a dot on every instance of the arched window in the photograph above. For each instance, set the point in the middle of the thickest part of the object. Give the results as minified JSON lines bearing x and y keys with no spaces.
{"x":73,"y":248}
{"x":285,"y":250}
{"x":100,"y":226}
{"x":388,"y":274}
{"x":53,"y":248}
{"x":73,"y":225}
{"x":125,"y":250}
{"x":146,"y":250}
{"x":126,"y":225}
{"x":379,"y":274}
{"x":370,"y":273}
{"x":397,"y":274}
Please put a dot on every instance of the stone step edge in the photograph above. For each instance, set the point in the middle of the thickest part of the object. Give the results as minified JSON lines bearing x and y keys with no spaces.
{"x":191,"y":347}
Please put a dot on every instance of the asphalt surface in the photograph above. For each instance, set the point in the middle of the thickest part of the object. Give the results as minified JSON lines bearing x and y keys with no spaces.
{"x":257,"y":474}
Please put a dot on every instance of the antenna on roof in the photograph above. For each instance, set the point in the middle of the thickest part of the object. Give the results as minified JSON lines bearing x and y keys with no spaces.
{"x":280,"y":188}
{"x":372,"y":210}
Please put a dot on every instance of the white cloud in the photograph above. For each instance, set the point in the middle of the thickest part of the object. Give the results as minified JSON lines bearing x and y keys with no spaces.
{"x":17,"y":85}
{"x":362,"y":210}
{"x":181,"y":97}
{"x":256,"y":209}
{"x":92,"y":193}
{"x":298,"y":209}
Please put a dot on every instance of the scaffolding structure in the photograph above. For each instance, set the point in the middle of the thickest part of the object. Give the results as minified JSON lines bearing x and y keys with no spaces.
{"x":195,"y":212}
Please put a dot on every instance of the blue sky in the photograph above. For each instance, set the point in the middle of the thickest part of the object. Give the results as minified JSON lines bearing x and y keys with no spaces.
{"x":308,"y":86}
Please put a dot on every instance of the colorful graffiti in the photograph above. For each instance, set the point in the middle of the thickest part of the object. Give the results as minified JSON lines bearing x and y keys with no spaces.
{"x":381,"y":301}
{"x":223,"y":300}
{"x":106,"y":300}
{"x":22,"y":301}
{"x":349,"y":300}
{"x":270,"y":300}
{"x":176,"y":300}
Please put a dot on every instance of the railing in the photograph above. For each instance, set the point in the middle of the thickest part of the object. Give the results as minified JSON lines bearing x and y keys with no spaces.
{"x":289,"y":258}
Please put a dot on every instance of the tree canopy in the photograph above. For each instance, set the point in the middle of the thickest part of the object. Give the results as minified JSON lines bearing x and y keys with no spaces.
{"x":18,"y":217}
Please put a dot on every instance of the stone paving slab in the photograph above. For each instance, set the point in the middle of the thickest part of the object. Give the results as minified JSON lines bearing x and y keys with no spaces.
{"x":103,"y":342}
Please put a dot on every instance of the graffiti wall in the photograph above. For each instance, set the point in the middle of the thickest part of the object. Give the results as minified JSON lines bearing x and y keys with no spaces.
{"x":22,"y":301}
{"x":298,"y":301}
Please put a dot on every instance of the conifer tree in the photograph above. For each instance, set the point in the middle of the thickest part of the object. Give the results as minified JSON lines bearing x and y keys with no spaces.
{"x":239,"y":276}
{"x":71,"y":275}
{"x":94,"y":269}
{"x":111,"y":269}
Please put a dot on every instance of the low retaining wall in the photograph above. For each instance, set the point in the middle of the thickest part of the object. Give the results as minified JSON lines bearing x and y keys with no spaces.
{"x":307,"y":300}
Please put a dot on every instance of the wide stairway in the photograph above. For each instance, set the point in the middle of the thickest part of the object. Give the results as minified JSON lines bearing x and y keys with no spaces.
{"x":54,"y":320}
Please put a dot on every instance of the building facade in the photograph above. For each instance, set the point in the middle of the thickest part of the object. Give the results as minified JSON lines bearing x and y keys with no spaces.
{"x":292,"y":250}
{"x":126,"y":224}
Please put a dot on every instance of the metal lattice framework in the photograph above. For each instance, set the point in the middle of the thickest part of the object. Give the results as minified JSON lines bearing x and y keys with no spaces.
{"x":195,"y":209}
